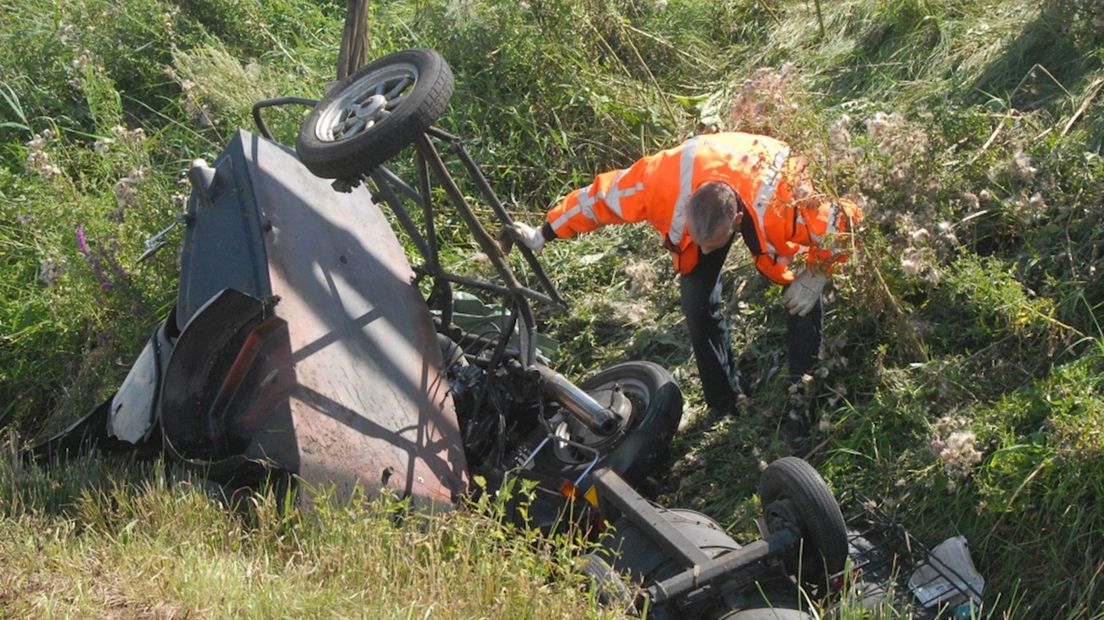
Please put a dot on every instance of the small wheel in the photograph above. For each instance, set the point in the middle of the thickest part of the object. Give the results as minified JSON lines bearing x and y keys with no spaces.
{"x":372,"y":114}
{"x":605,"y":583}
{"x":652,"y":403}
{"x":794,"y":495}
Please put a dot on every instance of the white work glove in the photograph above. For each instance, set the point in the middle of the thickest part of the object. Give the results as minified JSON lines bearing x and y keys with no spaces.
{"x":803,"y":293}
{"x":525,"y":234}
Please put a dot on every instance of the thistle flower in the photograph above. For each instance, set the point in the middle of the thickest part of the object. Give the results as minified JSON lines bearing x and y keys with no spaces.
{"x":763,"y":96}
{"x":899,"y":146}
{"x":630,"y":313}
{"x":193,"y":104}
{"x":742,"y":404}
{"x":959,"y":456}
{"x":936,"y":446}
{"x":1018,"y":169}
{"x":1022,"y":168}
{"x":838,"y":135}
{"x":913,"y":263}
{"x":125,"y":194}
{"x":102,"y":146}
{"x":957,"y":451}
{"x":50,"y":269}
{"x":946,"y":232}
{"x":81,"y":61}
{"x":38,"y":160}
{"x":947,"y":424}
{"x":642,"y":277}
{"x":136,"y":135}
{"x":66,"y":33}
{"x":895,"y":136}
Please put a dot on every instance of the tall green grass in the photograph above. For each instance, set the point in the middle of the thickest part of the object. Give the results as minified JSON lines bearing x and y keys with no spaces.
{"x":102,"y":539}
{"x":970,"y":132}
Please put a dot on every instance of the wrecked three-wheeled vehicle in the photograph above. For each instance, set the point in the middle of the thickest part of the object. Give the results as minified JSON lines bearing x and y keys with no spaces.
{"x":304,"y":347}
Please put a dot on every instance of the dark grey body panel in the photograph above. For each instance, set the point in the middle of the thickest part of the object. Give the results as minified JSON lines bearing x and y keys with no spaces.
{"x":325,"y":362}
{"x":223,"y":243}
{"x":135,"y":408}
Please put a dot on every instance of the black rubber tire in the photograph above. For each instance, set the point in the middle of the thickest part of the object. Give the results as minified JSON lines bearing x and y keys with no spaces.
{"x":647,"y":563}
{"x":606,"y":584}
{"x":645,"y":440}
{"x":790,"y":488}
{"x":349,"y":157}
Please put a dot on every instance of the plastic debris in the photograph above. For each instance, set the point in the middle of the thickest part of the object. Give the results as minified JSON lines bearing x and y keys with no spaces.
{"x":947,"y":576}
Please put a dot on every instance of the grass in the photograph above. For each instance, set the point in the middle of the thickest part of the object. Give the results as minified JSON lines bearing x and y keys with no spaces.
{"x":971,"y":133}
{"x":155,"y":545}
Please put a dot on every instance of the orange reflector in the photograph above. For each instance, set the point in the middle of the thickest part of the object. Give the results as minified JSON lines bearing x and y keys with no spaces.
{"x":568,"y":490}
{"x":591,"y":496}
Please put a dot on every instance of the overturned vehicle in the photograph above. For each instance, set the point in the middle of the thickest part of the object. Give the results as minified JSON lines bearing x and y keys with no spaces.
{"x":304,"y":347}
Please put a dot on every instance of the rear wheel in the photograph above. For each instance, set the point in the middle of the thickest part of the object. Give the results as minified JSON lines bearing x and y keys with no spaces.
{"x":794,"y":495}
{"x":644,"y":436}
{"x":372,"y":114}
{"x":606,"y":584}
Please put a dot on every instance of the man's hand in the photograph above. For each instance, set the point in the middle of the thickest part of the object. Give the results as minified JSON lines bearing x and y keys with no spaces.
{"x":525,"y":234}
{"x":802,"y":294}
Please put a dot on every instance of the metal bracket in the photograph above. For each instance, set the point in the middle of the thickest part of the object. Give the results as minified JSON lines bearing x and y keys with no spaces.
{"x":158,"y":240}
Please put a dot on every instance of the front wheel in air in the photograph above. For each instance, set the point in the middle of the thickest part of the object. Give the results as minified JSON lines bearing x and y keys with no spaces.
{"x":368,"y":117}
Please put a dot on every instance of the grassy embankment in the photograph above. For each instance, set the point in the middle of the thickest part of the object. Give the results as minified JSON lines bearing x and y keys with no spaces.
{"x":963,"y":372}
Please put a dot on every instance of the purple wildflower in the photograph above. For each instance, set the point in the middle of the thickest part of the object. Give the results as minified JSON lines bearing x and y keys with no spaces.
{"x":82,"y":243}
{"x":97,"y":258}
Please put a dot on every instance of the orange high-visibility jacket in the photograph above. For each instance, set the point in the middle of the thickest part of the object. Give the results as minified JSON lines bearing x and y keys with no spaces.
{"x":782,"y":215}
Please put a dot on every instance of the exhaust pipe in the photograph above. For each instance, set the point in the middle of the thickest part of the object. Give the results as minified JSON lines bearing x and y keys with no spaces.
{"x":590,"y":412}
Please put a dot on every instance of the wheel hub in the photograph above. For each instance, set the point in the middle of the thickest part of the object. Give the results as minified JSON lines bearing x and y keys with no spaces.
{"x":613,"y":399}
{"x":618,"y":403}
{"x":360,"y":116}
{"x":364,"y":103}
{"x":779,"y":516}
{"x":371,"y":108}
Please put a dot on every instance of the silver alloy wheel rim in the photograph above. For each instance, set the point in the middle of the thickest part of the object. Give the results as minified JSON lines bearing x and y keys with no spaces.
{"x":364,"y":103}
{"x":637,"y":394}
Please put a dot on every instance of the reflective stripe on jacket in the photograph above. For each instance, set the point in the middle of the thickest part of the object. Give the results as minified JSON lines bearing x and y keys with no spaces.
{"x":656,"y":189}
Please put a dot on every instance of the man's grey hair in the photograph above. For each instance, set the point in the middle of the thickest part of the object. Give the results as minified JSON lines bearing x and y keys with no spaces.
{"x":710,"y":208}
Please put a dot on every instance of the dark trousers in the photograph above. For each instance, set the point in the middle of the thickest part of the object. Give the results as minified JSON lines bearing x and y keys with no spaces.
{"x":702,"y":305}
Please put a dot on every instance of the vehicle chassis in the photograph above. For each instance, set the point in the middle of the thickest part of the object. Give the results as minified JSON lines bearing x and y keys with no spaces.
{"x":703,"y":579}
